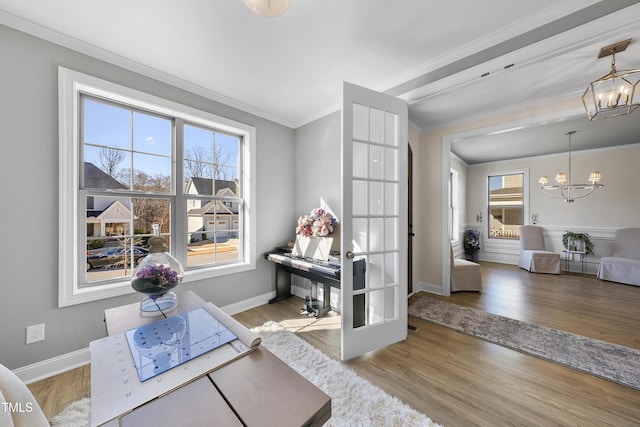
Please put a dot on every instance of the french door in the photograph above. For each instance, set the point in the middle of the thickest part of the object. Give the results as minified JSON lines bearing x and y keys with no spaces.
{"x":374,"y":229}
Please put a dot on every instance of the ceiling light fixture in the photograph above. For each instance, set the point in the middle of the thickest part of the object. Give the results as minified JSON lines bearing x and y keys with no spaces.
{"x":613,"y":94}
{"x":565,"y":189}
{"x":268,"y":7}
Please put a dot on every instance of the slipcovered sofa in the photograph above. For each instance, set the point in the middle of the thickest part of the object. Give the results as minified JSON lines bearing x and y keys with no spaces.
{"x":624,"y":265}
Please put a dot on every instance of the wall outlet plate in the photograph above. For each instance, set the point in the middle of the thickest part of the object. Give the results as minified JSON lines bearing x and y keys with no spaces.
{"x":35,"y":333}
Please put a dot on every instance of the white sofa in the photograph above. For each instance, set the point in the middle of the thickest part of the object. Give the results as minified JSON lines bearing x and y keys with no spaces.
{"x":624,"y":265}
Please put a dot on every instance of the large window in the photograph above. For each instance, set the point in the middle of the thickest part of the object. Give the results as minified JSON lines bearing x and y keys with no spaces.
{"x":506,"y":204}
{"x":128,"y":160}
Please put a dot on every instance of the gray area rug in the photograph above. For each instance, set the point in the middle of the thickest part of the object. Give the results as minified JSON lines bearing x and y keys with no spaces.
{"x":613,"y":362}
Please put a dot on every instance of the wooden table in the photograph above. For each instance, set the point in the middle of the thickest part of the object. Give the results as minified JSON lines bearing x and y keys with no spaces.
{"x":256,"y":389}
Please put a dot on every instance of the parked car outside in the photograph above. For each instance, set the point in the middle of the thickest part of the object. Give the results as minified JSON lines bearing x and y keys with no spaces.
{"x":114,"y":257}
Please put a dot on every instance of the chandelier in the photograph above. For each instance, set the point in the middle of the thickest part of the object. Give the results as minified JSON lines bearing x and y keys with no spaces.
{"x":268,"y":7}
{"x":613,"y":94}
{"x":565,"y":189}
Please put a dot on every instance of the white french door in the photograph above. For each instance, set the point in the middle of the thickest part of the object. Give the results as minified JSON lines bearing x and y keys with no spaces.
{"x":374,"y":220}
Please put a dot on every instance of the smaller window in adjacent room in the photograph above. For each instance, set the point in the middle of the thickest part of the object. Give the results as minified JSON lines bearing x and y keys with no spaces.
{"x":506,"y":204}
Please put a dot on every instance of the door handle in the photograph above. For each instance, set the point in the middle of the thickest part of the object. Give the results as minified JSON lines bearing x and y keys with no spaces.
{"x":349,"y":255}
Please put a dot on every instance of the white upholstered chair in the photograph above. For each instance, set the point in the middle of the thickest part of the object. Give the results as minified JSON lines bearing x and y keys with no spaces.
{"x":465,"y":275}
{"x":533,"y":256}
{"x":20,"y":408}
{"x":624,"y":265}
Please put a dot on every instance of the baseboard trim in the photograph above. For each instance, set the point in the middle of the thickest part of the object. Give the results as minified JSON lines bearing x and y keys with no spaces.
{"x":426,"y":287}
{"x":65,"y":362}
{"x":54,"y":366}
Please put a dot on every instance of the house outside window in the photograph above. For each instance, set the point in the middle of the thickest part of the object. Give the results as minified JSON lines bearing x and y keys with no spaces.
{"x":128,"y":160}
{"x":506,"y":202}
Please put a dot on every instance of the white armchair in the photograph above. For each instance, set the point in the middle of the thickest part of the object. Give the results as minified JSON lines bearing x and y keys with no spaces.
{"x":533,"y":256}
{"x":624,"y":265}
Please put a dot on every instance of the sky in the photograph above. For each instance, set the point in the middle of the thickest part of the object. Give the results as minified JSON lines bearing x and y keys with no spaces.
{"x":146,"y":139}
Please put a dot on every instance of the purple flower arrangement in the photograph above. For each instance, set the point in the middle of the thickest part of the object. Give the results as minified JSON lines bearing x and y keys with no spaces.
{"x":471,"y":241}
{"x":155,"y":279}
{"x":318,"y":223}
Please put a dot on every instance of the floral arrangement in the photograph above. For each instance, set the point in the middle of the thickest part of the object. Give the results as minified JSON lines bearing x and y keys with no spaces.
{"x":471,"y":241}
{"x":570,"y":241}
{"x":318,"y":223}
{"x":154,"y":279}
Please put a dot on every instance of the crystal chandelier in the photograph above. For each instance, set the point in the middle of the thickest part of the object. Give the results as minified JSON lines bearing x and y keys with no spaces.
{"x":613,"y":94}
{"x":268,"y":7}
{"x":565,"y":189}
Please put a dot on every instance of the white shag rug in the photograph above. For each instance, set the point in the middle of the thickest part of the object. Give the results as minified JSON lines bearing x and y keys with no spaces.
{"x":355,"y":402}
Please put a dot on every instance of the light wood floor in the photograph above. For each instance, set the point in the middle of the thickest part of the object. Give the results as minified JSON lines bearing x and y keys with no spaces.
{"x":458,"y":380}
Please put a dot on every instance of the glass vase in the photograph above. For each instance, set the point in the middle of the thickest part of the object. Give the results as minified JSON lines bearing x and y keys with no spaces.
{"x":155,"y":276}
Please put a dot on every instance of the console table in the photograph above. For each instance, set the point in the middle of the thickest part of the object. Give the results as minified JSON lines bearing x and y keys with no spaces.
{"x":256,"y":389}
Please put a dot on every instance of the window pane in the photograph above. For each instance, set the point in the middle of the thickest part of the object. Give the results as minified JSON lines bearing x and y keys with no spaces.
{"x":214,"y":231}
{"x":376,"y":234}
{"x":151,"y":173}
{"x":106,"y":125}
{"x":227,"y":150}
{"x":151,"y":134}
{"x":108,"y":216}
{"x":376,"y":168}
{"x":111,"y":258}
{"x":360,"y":160}
{"x":148,"y":211}
{"x":360,"y":197}
{"x":390,"y":170}
{"x":360,"y":235}
{"x":360,"y":122}
{"x":506,"y":206}
{"x":125,"y":149}
{"x":106,"y":168}
{"x":198,"y":152}
{"x":376,"y":123}
{"x":391,"y":132}
{"x":375,"y":198}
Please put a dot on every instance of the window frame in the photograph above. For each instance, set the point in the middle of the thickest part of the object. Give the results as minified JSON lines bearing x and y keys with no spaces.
{"x":454,"y":205}
{"x":71,"y":241}
{"x":525,"y":200}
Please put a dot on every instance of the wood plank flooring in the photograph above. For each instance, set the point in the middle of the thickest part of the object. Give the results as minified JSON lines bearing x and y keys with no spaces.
{"x":458,"y":380}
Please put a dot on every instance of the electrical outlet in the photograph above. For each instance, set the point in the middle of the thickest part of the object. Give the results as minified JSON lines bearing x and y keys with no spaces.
{"x":35,"y":333}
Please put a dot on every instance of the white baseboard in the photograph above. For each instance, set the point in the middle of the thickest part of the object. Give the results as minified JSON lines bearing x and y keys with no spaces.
{"x":426,"y":287}
{"x":54,"y":366}
{"x":248,"y":304}
{"x":65,"y":362}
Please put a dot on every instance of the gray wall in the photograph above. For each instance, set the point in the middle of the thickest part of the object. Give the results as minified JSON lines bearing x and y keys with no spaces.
{"x":29,"y":177}
{"x":318,"y":171}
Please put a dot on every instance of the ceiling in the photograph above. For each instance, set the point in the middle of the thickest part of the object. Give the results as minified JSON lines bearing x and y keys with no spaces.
{"x":290,"y":68}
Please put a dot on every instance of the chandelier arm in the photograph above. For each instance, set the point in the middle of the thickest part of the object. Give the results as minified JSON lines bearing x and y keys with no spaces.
{"x":586,"y":194}
{"x":546,"y":190}
{"x":567,"y":197}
